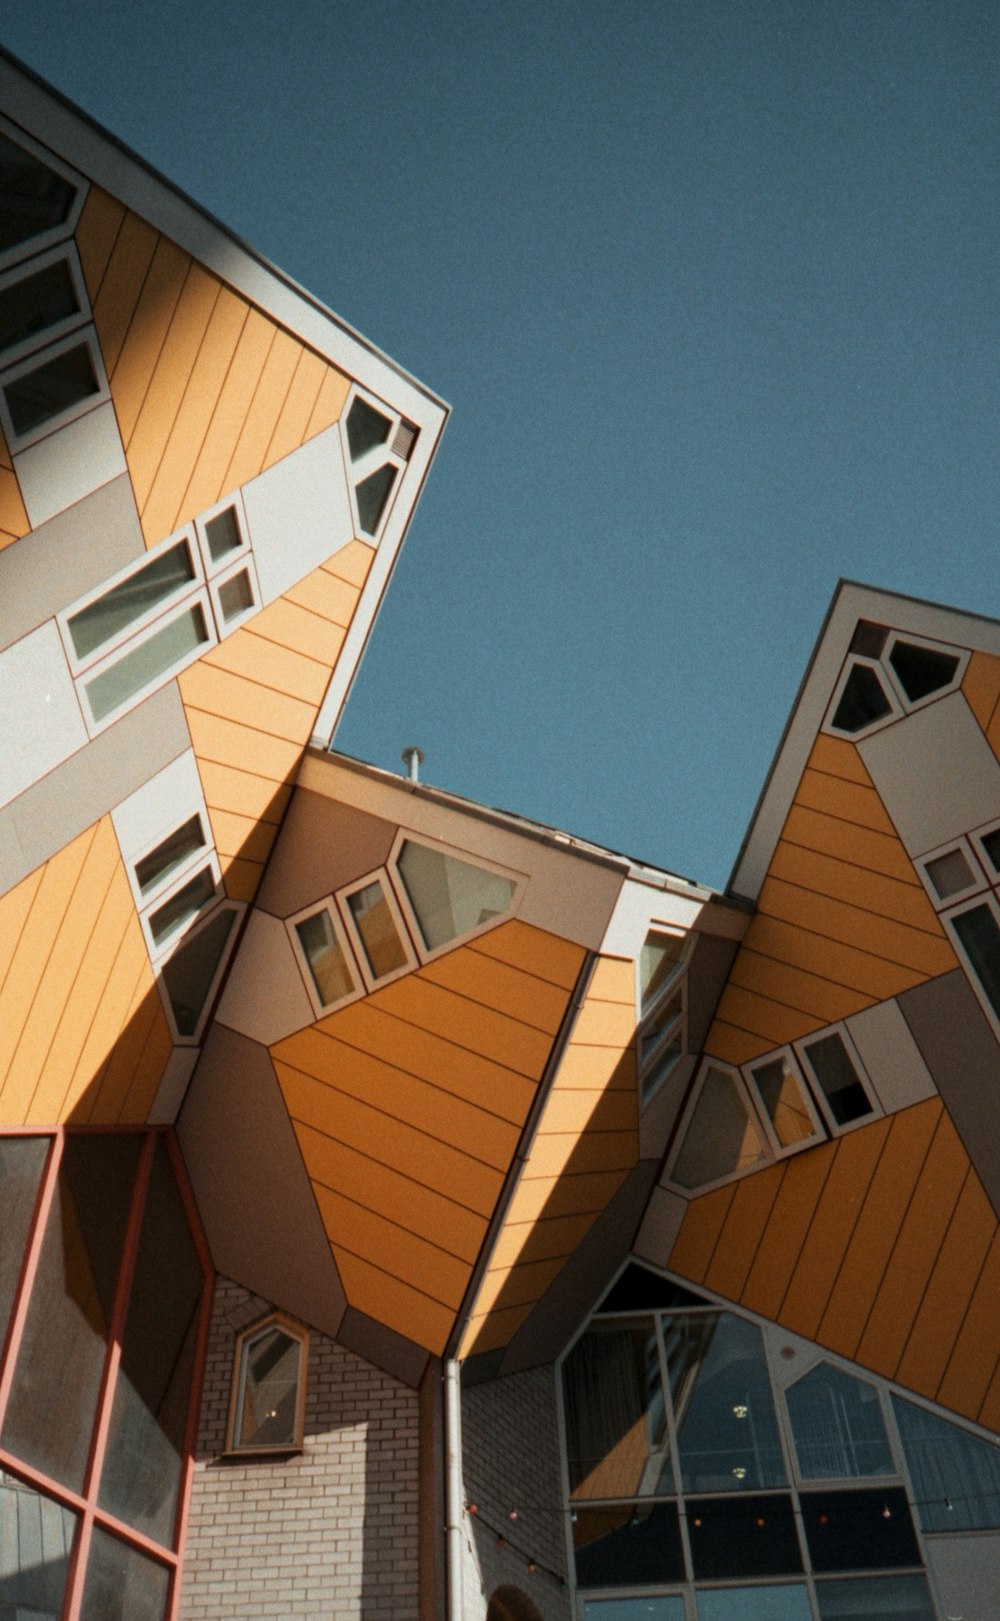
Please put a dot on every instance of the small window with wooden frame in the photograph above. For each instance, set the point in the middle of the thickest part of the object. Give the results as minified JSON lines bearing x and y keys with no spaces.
{"x":268,"y":1403}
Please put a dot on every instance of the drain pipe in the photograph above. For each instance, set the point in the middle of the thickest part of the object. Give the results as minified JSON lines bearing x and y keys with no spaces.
{"x":454,"y":1495}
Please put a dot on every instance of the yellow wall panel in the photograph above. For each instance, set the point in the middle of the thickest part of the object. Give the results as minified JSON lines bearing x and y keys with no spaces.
{"x":968,"y":1373}
{"x":168,"y":382}
{"x":539,"y":1240}
{"x":838,"y":758}
{"x":15,"y":907}
{"x":207,"y":483}
{"x":122,"y":284}
{"x":151,"y":321}
{"x":217,"y":738}
{"x":401,"y":1307}
{"x":96,"y":232}
{"x":134,"y":1069}
{"x":333,"y":392}
{"x":393,"y":1248}
{"x":242,"y":836}
{"x":785,"y":1230}
{"x":327,"y":595}
{"x":766,"y":1017}
{"x":936,"y":1327}
{"x":534,"y":950}
{"x":291,"y":626}
{"x":877,"y":852}
{"x":543,"y":1198}
{"x":261,"y":419}
{"x":499,"y":986}
{"x":250,"y":654}
{"x":981,"y":686}
{"x":351,"y":562}
{"x":745,"y":1220}
{"x":219,"y":692}
{"x":292,"y":425}
{"x":468,"y":1024}
{"x":848,"y":801}
{"x":241,"y":877}
{"x":490,"y":1331}
{"x":868,"y":891}
{"x":230,"y":789}
{"x":821,"y":998}
{"x":694,"y":1245}
{"x":874,"y":977}
{"x":604,"y":1024}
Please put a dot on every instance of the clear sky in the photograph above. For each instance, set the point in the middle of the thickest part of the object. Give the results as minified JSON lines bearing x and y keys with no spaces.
{"x":711,"y":286}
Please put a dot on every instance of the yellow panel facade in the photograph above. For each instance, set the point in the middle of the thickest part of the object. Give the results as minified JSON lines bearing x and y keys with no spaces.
{"x":13,"y":516}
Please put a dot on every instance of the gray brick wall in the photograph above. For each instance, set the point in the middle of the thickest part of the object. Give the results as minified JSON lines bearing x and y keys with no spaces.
{"x":331,"y":1533}
{"x":510,"y":1443}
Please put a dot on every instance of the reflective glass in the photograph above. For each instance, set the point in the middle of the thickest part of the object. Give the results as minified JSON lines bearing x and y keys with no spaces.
{"x":223,"y":534}
{"x":862,"y":701}
{"x":727,"y":1435}
{"x":122,"y":1584}
{"x":383,"y":948}
{"x":658,"y":962}
{"x":372,"y":494}
{"x":174,"y":850}
{"x":980,"y":935}
{"x":721,"y":1136}
{"x":21,"y":1162}
{"x":616,"y":1436}
{"x":323,"y":952}
{"x":991,"y":845}
{"x":780,"y":1092}
{"x":742,"y":1537}
{"x":659,"y":1027}
{"x":869,"y":638}
{"x":922,"y":670}
{"x":646,"y":1607}
{"x":183,"y":905}
{"x":50,"y":388}
{"x":36,"y":302}
{"x":126,"y":603}
{"x":635,"y":1544}
{"x":142,"y":1465}
{"x":36,"y":1539}
{"x":235,"y":596}
{"x":449,"y":897}
{"x":189,"y":973}
{"x":61,"y":1357}
{"x":32,"y":198}
{"x":366,"y":428}
{"x":859,"y":1530}
{"x":831,"y":1064}
{"x":267,"y":1402}
{"x":876,"y":1598}
{"x":955,"y":1475}
{"x":157,"y":653}
{"x":950,"y":874}
{"x":837,"y":1425}
{"x":789,"y":1602}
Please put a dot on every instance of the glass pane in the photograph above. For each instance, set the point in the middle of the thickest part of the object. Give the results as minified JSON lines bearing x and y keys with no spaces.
{"x":665,"y":1061}
{"x":780,"y":1092}
{"x":236,"y":596}
{"x":142,"y":1465}
{"x":123,"y":1585}
{"x":727,"y":1435}
{"x":51,"y":388}
{"x":21,"y":1162}
{"x":659,"y":1027}
{"x":978,"y":931}
{"x":876,"y":1598}
{"x":842,"y":1088}
{"x":61,"y":1358}
{"x":36,"y":1539}
{"x":859,"y":1530}
{"x":862,"y":701}
{"x":379,"y":936}
{"x":787,"y":1603}
{"x":188,"y":974}
{"x":156,"y":654}
{"x":956,"y":1476}
{"x":325,"y":955}
{"x":366,"y":428}
{"x":838,"y":1428}
{"x":188,"y":901}
{"x":649,"y":1607}
{"x":32,"y":198}
{"x":126,"y":603}
{"x":36,"y":302}
{"x":922,"y":670}
{"x":223,"y":534}
{"x":640,"y":1290}
{"x":169,"y":855}
{"x":632,"y":1545}
{"x":752,"y":1537}
{"x":269,"y":1389}
{"x":449,"y":896}
{"x":616,"y":1436}
{"x":991,"y":844}
{"x":372,"y":494}
{"x":950,"y":874}
{"x":869,"y":638}
{"x":658,"y":961}
{"x":721,"y":1137}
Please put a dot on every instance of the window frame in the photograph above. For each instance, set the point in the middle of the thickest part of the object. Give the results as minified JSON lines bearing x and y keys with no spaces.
{"x":206,"y":860}
{"x":471,"y":859}
{"x":85,"y":334}
{"x":242,"y":1342}
{"x":60,"y":329}
{"x":684,"y":1122}
{"x":675,"y":988}
{"x":819,"y":1132}
{"x":974,"y":859}
{"x":243,"y":563}
{"x":57,"y":233}
{"x":801,"y":1051}
{"x":194,"y":928}
{"x":134,"y":859}
{"x":329,"y":906}
{"x":341,"y":898}
{"x":988,"y":898}
{"x":910,"y":705}
{"x":900,"y":704}
{"x":373,"y":458}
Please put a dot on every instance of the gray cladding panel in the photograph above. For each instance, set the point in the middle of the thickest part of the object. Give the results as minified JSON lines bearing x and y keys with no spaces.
{"x":383,"y":1347}
{"x":65,"y":558}
{"x":942,"y":745}
{"x":252,"y":1189}
{"x":960,"y":1050}
{"x":321,"y":846}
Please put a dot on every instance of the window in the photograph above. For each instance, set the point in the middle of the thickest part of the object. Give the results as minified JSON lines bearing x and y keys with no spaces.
{"x":449,"y":896}
{"x":959,"y":877}
{"x":377,"y":929}
{"x":720,"y":1136}
{"x":955,"y":1475}
{"x":51,"y":388}
{"x":837,"y":1426}
{"x":378,"y":446}
{"x":662,"y":1006}
{"x":332,"y":975}
{"x":842,"y":1087}
{"x":784,"y":1102}
{"x":40,"y":302}
{"x":190,"y":976}
{"x":269,"y":1388}
{"x":887,"y":675}
{"x":39,"y":199}
{"x":660,"y":961}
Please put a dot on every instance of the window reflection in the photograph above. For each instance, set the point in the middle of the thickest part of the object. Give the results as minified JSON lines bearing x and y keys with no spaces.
{"x":36,"y":1539}
{"x":838,"y":1428}
{"x":615,"y":1415}
{"x":727,"y":1436}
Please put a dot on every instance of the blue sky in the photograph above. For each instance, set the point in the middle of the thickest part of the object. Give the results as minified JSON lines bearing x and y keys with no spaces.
{"x":711,"y":286}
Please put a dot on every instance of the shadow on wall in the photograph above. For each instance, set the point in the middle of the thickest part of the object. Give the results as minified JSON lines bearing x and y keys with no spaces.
{"x":510,"y":1604}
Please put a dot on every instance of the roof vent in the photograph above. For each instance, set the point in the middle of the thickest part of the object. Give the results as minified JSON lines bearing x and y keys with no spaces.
{"x":413,"y":759}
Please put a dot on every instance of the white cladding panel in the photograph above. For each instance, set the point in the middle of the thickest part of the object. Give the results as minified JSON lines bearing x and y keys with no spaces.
{"x":69,"y":464}
{"x":42,"y":722}
{"x":942,"y":745}
{"x":299,"y":513}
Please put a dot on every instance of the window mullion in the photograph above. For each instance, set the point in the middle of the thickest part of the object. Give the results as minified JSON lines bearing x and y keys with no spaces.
{"x":30,"y":1269}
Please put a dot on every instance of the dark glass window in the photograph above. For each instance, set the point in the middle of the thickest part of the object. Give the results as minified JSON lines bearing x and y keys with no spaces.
{"x":223,"y":534}
{"x":123,"y":1584}
{"x":615,"y":1413}
{"x":876,"y":1598}
{"x":979,"y":933}
{"x":838,"y":1428}
{"x":21,"y":1162}
{"x":862,"y":701}
{"x":991,"y":844}
{"x":62,"y":1351}
{"x":922,"y":670}
{"x":869,"y":638}
{"x":170,"y":854}
{"x":749,"y":1536}
{"x":35,"y":303}
{"x":32,"y":199}
{"x":267,"y":1399}
{"x":142,"y":1465}
{"x":366,"y":428}
{"x":51,"y":388}
{"x":859,"y":1530}
{"x":372,"y":494}
{"x":639,"y":1290}
{"x":188,"y":974}
{"x":113,"y":614}
{"x":841,"y":1086}
{"x":235,"y":596}
{"x":955,"y":1475}
{"x":727,"y":1434}
{"x":628,"y":1546}
{"x":183,"y":905}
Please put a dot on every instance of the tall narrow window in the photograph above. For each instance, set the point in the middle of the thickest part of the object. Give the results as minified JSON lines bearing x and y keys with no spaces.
{"x":784,"y":1101}
{"x":721,"y":1138}
{"x":659,"y":961}
{"x":268,"y":1409}
{"x":377,"y":929}
{"x":33,"y":199}
{"x":326,"y":959}
{"x":840,"y":1084}
{"x":50,"y":388}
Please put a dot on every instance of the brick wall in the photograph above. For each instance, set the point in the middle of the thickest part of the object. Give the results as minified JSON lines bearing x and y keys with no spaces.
{"x":331,"y":1533}
{"x":510,"y":1443}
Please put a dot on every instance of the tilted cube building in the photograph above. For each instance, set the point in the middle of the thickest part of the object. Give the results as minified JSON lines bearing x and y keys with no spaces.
{"x":407,"y":1209}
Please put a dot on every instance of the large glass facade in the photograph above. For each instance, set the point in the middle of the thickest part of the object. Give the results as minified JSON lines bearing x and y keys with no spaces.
{"x":105,"y":1294}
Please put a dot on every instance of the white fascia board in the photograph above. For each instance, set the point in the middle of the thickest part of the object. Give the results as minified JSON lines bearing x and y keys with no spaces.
{"x":851,"y":602}
{"x":75,"y":138}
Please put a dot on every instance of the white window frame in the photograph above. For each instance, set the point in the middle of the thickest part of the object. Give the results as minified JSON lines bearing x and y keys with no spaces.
{"x":212,"y":567}
{"x":896,"y":710}
{"x":57,"y":233}
{"x":801,"y":1051}
{"x":194,"y":599}
{"x":85,"y":334}
{"x":687,"y":1116}
{"x":206,"y":860}
{"x":372,"y":459}
{"x":988,"y":898}
{"x":472,"y":859}
{"x":194,"y":1039}
{"x":60,"y":329}
{"x":976,"y":838}
{"x":975,"y":861}
{"x":243,"y":563}
{"x":342,"y":897}
{"x":676,"y":988}
{"x":911,"y":704}
{"x":891,"y":684}
{"x":819,"y":1132}
{"x":244,"y":1339}
{"x":328,"y":905}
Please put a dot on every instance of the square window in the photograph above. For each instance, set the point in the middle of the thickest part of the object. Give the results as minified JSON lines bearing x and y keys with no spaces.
{"x":51,"y":388}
